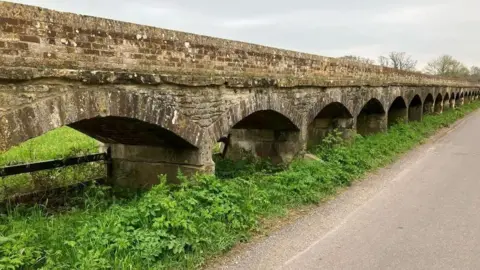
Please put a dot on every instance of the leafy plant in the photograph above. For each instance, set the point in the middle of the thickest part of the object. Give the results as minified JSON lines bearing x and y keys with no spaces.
{"x":176,"y":227}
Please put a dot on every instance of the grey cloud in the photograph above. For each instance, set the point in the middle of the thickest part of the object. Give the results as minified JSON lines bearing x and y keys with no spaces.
{"x":422,"y":28}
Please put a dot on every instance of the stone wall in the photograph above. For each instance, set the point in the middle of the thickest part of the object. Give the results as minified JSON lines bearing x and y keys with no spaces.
{"x":163,"y":98}
{"x":37,"y":42}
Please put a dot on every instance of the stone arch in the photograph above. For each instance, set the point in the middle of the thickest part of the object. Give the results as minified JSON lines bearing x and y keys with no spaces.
{"x":266,"y":119}
{"x":222,"y":126}
{"x":332,"y":116}
{"x":147,"y":137}
{"x":397,"y":113}
{"x":428,"y":104}
{"x":446,"y":101}
{"x":371,"y":118}
{"x":85,"y":109}
{"x":438,"y":107}
{"x":265,"y":128}
{"x":415,"y":109}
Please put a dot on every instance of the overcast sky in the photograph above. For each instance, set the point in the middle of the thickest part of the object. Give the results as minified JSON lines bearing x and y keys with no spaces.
{"x":422,"y":28}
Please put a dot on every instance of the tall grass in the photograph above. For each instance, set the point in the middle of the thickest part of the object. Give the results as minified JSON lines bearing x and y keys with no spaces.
{"x":56,"y":144}
{"x":173,"y":227}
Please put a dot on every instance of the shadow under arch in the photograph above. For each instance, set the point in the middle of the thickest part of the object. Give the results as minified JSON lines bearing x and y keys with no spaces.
{"x":446,"y":101}
{"x":237,"y":112}
{"x":459,"y":99}
{"x":372,"y":118}
{"x":438,"y":105}
{"x":85,"y":109}
{"x":415,"y":110}
{"x":397,"y":113}
{"x":147,"y":137}
{"x":428,"y":104}
{"x":334,"y":116}
{"x":259,"y":130}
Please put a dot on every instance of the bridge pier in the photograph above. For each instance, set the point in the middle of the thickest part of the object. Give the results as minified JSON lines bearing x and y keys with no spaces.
{"x":139,"y":166}
{"x":438,"y":106}
{"x":279,"y":146}
{"x":428,"y":105}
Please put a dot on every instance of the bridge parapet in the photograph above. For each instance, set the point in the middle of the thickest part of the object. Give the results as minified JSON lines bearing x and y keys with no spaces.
{"x":58,"y":44}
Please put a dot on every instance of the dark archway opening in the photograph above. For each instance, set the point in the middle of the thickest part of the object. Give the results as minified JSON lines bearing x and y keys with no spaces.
{"x":438,"y":109}
{"x":128,"y":131}
{"x":428,"y":104}
{"x":415,"y":109}
{"x":371,"y":118}
{"x":142,"y":151}
{"x":397,"y":113}
{"x":446,"y":102}
{"x":263,"y":134}
{"x":334,"y":116}
{"x":458,"y":100}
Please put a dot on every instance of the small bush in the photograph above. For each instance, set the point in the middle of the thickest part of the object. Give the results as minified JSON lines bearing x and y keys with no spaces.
{"x":180,"y":226}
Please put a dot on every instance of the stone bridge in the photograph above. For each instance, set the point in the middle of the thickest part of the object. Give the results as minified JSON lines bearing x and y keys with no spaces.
{"x":162,"y":99}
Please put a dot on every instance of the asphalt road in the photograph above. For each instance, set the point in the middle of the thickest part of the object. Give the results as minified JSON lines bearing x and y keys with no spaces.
{"x":423,"y":212}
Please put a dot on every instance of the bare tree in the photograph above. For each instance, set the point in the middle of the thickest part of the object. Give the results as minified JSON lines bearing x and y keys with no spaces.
{"x":398,"y":60}
{"x":359,"y":59}
{"x":475,"y":73}
{"x":446,"y":65}
{"x":384,"y":61}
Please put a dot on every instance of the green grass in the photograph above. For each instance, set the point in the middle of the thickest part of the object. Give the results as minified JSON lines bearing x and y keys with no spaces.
{"x":175,"y":227}
{"x":56,"y":144}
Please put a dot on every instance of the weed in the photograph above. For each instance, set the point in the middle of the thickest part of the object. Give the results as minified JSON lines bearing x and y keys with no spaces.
{"x":172,"y":227}
{"x":56,"y":144}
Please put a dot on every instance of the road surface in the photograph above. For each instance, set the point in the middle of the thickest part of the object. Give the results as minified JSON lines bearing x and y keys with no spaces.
{"x":423,"y":212}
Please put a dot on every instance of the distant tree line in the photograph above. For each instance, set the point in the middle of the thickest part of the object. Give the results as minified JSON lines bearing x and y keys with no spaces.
{"x":444,"y":65}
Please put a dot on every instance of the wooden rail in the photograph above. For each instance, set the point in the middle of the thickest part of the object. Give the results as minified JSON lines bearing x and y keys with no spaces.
{"x":52,"y":164}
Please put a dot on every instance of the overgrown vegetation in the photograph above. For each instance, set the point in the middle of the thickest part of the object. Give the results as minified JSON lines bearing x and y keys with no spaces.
{"x":56,"y":144}
{"x":176,"y":227}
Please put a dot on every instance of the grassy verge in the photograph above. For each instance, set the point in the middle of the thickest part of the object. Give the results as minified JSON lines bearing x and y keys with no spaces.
{"x":176,"y":227}
{"x":56,"y":144}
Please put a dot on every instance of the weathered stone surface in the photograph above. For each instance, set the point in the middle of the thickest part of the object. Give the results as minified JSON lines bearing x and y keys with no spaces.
{"x":50,"y":42}
{"x":138,"y":166}
{"x":163,"y":98}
